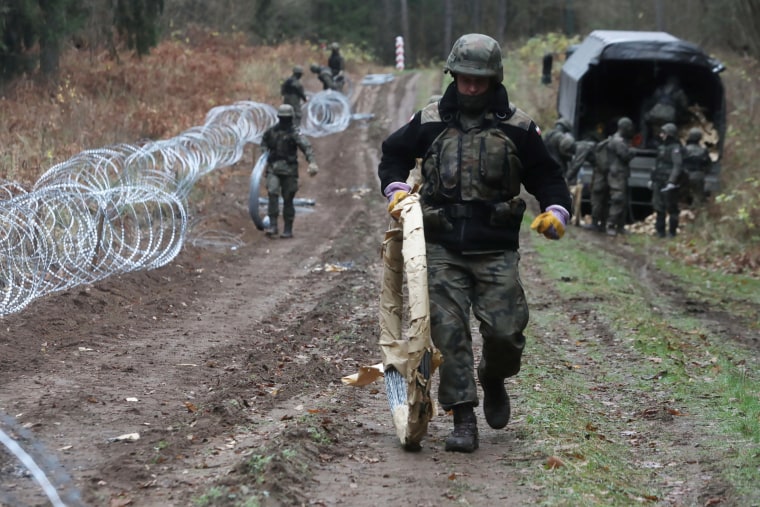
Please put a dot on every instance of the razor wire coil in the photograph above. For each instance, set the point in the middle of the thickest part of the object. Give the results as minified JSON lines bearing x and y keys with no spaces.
{"x":123,"y":208}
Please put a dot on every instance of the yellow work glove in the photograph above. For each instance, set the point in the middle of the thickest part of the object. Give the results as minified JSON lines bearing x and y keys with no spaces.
{"x":398,"y":196}
{"x":549,"y":224}
{"x":313,"y":169}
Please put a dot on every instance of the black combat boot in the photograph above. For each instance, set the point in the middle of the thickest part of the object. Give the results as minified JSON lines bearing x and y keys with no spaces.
{"x":464,"y":438}
{"x":272,"y":231}
{"x":659,"y":225}
{"x":673,"y":227}
{"x":495,"y":400}
{"x":288,"y":232}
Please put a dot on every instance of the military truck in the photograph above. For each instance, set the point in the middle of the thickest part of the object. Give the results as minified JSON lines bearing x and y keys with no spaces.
{"x":612,"y":74}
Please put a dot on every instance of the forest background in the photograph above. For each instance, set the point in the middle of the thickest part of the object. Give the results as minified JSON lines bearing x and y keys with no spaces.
{"x":59,"y":59}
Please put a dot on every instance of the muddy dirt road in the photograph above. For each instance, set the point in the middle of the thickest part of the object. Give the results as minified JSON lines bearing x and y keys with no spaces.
{"x":227,"y":364}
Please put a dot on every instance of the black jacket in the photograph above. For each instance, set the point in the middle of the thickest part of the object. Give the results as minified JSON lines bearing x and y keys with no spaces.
{"x":540,"y":176}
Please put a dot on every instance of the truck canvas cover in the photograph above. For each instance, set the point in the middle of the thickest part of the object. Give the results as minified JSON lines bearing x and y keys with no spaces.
{"x":616,"y":73}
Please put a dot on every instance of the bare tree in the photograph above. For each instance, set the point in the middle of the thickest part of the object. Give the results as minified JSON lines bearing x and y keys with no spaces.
{"x":405,"y":32}
{"x":501,"y":20}
{"x":448,"y":26}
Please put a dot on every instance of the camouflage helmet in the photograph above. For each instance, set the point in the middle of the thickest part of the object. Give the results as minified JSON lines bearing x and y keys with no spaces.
{"x":315,"y":68}
{"x":564,"y":123}
{"x":669,"y":129}
{"x":297,"y":70}
{"x":695,"y":135}
{"x":625,"y":127}
{"x":476,"y":55}
{"x":285,"y":111}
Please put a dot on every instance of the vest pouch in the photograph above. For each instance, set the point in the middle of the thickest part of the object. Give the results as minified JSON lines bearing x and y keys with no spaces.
{"x":281,"y":168}
{"x":448,"y":159}
{"x":507,"y":214}
{"x":499,"y":165}
{"x":435,"y":220}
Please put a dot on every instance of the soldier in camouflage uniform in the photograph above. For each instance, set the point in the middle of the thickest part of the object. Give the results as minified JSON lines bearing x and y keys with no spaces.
{"x":476,"y":149}
{"x":583,"y":153}
{"x":666,"y":177}
{"x":696,"y":161}
{"x":600,"y":188}
{"x":282,"y":142}
{"x":325,"y":76}
{"x":335,"y":61}
{"x":293,"y":93}
{"x":560,"y":144}
{"x":619,"y":154}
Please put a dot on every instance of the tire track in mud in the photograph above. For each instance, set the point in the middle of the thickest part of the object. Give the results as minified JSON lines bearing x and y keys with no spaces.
{"x":658,"y":435}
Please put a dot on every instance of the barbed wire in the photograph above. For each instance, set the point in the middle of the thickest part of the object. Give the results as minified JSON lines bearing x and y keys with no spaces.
{"x":123,"y":208}
{"x":41,"y":464}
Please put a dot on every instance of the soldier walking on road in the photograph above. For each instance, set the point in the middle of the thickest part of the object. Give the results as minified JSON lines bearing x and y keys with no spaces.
{"x":476,"y":150}
{"x":620,"y":155}
{"x":293,"y":93}
{"x":335,"y":61}
{"x":283,"y":141}
{"x":336,"y":64}
{"x":696,"y":161}
{"x":667,"y":174}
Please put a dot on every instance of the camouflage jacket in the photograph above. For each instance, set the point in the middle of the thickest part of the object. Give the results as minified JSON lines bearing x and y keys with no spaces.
{"x":620,"y":154}
{"x":696,"y":159}
{"x":326,"y":77}
{"x":668,"y":166}
{"x":283,"y":144}
{"x":335,"y":62}
{"x":539,"y":174}
{"x":560,"y":146}
{"x":293,"y":92}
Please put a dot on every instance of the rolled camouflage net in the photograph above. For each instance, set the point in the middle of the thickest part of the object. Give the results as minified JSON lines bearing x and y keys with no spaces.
{"x":409,"y":361}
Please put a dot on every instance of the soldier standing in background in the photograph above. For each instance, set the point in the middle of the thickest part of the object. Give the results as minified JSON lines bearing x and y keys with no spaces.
{"x":665,"y":179}
{"x":620,"y":155}
{"x":696,"y":161}
{"x":560,"y":144}
{"x":283,"y":141}
{"x":293,"y":93}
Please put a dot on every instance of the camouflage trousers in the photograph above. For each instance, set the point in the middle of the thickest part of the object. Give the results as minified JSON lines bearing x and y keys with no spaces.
{"x":618,"y":184}
{"x":665,"y":203}
{"x":696,"y":190}
{"x":600,"y":198}
{"x":489,"y":285}
{"x":285,"y":186}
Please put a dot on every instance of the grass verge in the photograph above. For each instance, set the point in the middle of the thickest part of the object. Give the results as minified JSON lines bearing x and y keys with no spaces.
{"x":614,"y":361}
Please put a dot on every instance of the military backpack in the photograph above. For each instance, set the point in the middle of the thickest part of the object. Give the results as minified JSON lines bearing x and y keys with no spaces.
{"x":601,"y":155}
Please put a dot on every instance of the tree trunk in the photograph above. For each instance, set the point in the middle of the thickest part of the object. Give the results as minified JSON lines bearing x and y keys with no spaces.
{"x":448,"y":26}
{"x":501,"y":20}
{"x":405,"y":32}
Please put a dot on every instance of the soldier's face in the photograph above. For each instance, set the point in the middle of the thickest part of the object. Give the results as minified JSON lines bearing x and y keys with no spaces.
{"x":472,"y":85}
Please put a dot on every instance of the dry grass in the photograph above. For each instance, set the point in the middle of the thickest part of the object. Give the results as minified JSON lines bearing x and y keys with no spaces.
{"x":99,"y":102}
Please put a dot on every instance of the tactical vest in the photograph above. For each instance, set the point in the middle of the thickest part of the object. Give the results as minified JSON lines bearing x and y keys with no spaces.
{"x":283,"y":146}
{"x":476,"y":166}
{"x":695,"y":158}
{"x":664,"y":163}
